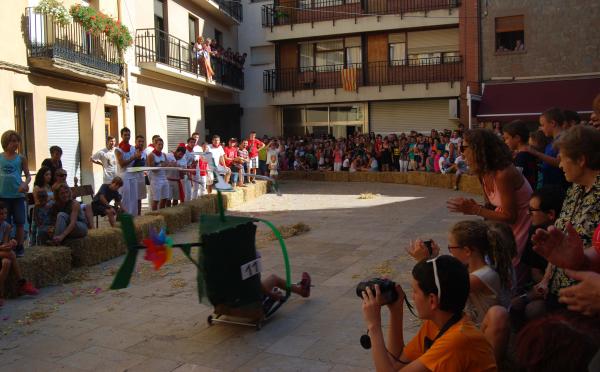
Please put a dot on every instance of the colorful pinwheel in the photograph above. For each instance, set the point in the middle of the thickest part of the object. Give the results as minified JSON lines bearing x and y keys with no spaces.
{"x":158,"y":248}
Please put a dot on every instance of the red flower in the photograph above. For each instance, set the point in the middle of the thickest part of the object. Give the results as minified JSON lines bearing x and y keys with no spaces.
{"x":93,"y":18}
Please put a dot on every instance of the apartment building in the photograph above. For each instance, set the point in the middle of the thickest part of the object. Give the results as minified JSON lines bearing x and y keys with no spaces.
{"x":341,"y":66}
{"x":537,"y":55}
{"x":65,"y":85}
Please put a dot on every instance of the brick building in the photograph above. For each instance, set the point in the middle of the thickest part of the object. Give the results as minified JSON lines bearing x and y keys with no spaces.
{"x":536,"y":55}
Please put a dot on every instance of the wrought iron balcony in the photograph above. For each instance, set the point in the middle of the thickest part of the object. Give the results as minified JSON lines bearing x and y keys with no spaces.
{"x":290,"y":12}
{"x":156,"y":46}
{"x":70,"y":48}
{"x":233,"y":8}
{"x":401,"y":72}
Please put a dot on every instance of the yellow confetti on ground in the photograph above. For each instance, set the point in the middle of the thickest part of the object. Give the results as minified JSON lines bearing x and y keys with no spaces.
{"x":177,"y":283}
{"x":368,"y":195}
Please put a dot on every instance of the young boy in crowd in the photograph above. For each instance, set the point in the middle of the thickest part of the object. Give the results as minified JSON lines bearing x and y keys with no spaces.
{"x":101,"y":202}
{"x":203,"y":171}
{"x":41,"y":221}
{"x":244,"y":159}
{"x":273,"y":159}
{"x":175,"y":178}
{"x":158,"y":180}
{"x":544,"y":207}
{"x":9,"y":259}
{"x":516,"y":137}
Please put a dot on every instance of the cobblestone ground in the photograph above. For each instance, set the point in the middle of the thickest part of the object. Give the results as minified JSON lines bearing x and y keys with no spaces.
{"x":157,"y":323}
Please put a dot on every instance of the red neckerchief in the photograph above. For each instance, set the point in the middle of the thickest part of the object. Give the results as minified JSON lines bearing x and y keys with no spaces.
{"x":189,"y":148}
{"x":156,"y":152}
{"x":126,"y":147}
{"x":141,"y":148}
{"x":151,"y":145}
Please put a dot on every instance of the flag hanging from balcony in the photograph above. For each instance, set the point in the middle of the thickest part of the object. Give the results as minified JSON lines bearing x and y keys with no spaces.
{"x":349,"y":79}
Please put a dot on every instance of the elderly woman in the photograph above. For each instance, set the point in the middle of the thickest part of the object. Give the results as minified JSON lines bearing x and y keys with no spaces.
{"x":70,"y":219}
{"x":505,"y":189}
{"x":580,"y":160}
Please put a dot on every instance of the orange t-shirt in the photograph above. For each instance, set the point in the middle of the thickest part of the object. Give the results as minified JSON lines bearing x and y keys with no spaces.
{"x":461,"y":348}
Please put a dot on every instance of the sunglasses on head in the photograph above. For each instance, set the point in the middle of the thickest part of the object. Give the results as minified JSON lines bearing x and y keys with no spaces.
{"x":436,"y":278}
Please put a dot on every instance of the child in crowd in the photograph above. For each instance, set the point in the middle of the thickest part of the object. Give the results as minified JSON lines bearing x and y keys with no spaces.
{"x":106,"y":194}
{"x":516,"y":137}
{"x":41,"y":221}
{"x":273,"y":159}
{"x":346,"y":163}
{"x":538,"y":141}
{"x":460,"y":167}
{"x":9,"y":259}
{"x":244,"y":159}
{"x":487,"y":249}
{"x":545,"y":206}
{"x":203,"y":167}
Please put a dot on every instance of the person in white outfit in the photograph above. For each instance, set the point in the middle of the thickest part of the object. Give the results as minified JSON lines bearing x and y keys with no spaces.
{"x":197,"y":180}
{"x":106,"y":159}
{"x":126,"y":155}
{"x":158,"y":181}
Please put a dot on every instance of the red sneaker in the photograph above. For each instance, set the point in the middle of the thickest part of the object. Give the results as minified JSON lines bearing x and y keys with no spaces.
{"x":305,"y":285}
{"x":28,"y":289}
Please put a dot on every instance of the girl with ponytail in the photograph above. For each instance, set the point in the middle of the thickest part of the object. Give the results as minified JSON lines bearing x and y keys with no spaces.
{"x":487,"y":249}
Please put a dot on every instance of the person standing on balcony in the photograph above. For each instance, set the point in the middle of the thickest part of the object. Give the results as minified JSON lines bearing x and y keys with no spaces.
{"x":197,"y":49}
{"x":206,"y":53}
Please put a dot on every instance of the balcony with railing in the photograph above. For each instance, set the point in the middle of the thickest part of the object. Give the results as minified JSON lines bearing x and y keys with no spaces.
{"x":70,"y":49}
{"x":155,"y":49}
{"x":354,"y":76}
{"x":227,"y":11}
{"x":290,"y":12}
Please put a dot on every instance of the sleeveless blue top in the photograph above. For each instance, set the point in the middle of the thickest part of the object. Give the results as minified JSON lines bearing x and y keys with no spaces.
{"x":10,"y":177}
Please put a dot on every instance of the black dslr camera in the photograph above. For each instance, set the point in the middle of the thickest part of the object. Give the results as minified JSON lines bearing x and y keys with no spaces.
{"x":386,"y":287}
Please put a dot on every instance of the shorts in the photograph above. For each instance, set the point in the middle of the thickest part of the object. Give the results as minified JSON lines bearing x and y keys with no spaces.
{"x":174,"y":189}
{"x":16,"y":210}
{"x":160,"y":190}
{"x":99,"y":209}
{"x":253,"y":162}
{"x":141,"y":182}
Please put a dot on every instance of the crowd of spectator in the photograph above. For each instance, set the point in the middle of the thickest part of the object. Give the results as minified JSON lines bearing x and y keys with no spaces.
{"x":529,"y":263}
{"x":206,"y":48}
{"x":530,"y":268}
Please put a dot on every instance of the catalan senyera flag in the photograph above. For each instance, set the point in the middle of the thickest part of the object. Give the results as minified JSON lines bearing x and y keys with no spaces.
{"x":349,"y":79}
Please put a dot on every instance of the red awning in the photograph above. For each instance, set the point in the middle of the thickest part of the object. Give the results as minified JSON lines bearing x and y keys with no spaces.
{"x":526,"y":100}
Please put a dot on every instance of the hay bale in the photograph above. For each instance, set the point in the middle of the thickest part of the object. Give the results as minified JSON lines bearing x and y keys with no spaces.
{"x":260,"y":188}
{"x":470,"y":184}
{"x":357,"y":177}
{"x":98,"y":246}
{"x":203,"y":205}
{"x":233,"y":199}
{"x":400,"y":178}
{"x":417,"y":178}
{"x":175,"y":217}
{"x":440,"y":180}
{"x":336,"y":176}
{"x":144,"y":224}
{"x":42,"y":265}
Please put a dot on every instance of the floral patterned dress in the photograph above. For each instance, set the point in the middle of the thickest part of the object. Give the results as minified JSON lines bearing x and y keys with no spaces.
{"x":582,"y":209}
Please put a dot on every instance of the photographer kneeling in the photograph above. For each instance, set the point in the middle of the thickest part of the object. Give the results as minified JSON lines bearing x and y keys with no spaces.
{"x":446,"y":341}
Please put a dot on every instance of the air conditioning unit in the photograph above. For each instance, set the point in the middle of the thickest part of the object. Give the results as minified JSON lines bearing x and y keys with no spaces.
{"x":453,"y":108}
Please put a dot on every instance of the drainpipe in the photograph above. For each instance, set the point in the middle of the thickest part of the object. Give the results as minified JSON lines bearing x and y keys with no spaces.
{"x":469,"y":104}
{"x":124,"y":82}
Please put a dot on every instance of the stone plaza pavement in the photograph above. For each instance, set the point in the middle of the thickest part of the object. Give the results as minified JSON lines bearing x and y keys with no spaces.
{"x":157,"y":323}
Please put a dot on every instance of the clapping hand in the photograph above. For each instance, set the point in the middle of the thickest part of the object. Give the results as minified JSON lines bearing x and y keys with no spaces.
{"x":583,"y":297}
{"x":562,"y":250}
{"x":419,"y":251}
{"x":463,"y":205}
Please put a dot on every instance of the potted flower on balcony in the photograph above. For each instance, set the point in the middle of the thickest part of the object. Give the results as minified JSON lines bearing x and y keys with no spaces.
{"x":55,"y":9}
{"x":97,"y":23}
{"x":281,"y":17}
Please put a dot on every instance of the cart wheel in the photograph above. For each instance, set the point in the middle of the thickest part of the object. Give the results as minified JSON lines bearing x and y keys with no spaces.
{"x":209,"y":320}
{"x":259,"y":325}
